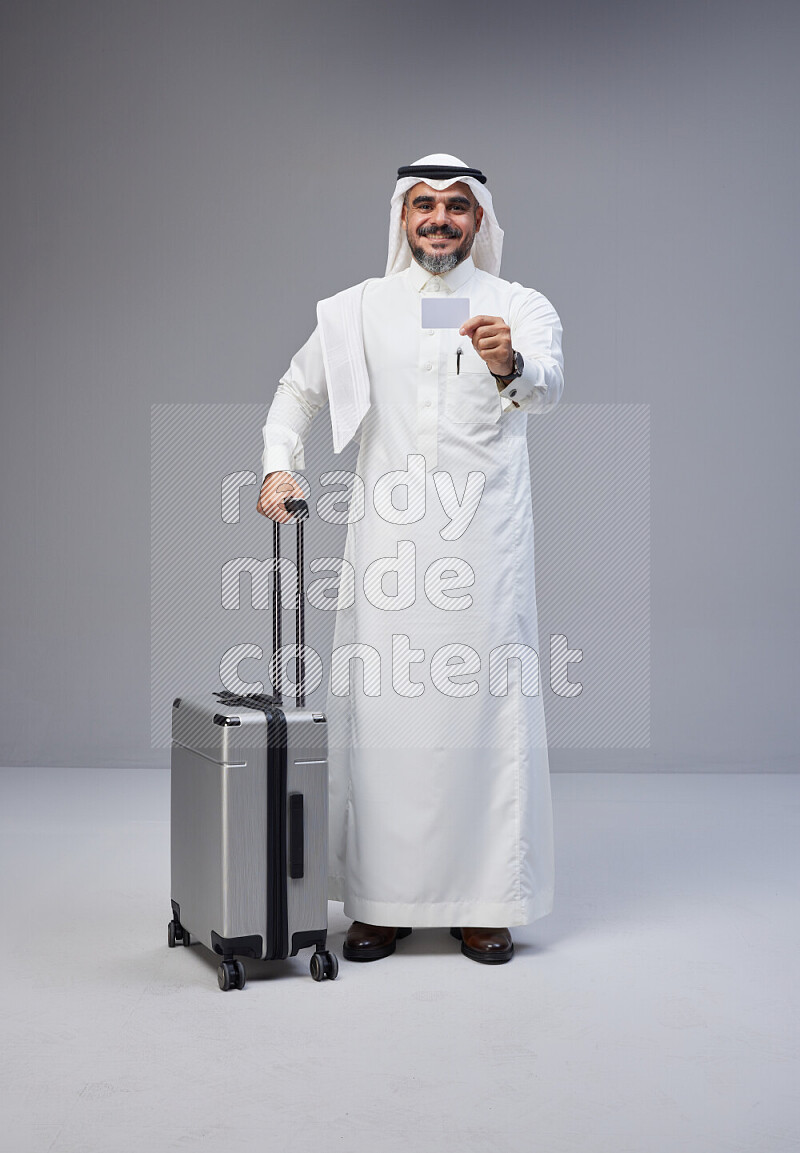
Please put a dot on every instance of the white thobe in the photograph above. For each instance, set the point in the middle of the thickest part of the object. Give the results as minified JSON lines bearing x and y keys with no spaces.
{"x":440,"y":807}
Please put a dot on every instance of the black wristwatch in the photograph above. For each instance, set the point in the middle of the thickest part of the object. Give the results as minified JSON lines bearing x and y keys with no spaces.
{"x":519,"y":364}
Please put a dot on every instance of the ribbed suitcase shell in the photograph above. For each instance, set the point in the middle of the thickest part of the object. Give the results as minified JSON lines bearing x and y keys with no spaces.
{"x":231,"y":877}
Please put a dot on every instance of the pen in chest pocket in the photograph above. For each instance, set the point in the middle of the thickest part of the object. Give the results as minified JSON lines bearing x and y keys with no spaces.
{"x":458,"y":361}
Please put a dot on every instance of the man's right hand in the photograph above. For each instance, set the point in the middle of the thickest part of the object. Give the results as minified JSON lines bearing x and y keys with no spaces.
{"x":277,"y":487}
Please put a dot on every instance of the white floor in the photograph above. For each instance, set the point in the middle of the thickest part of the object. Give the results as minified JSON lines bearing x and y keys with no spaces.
{"x":654,"y":1011}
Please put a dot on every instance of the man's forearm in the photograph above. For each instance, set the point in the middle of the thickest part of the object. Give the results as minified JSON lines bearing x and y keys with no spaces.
{"x":301,"y":393}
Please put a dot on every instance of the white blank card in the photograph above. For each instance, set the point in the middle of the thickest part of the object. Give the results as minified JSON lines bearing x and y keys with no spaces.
{"x":447,"y":312}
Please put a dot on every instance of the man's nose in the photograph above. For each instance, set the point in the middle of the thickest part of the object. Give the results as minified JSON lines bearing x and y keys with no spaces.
{"x":440,"y":215}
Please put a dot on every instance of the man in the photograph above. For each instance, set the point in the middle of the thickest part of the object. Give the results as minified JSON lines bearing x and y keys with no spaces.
{"x":440,"y":809}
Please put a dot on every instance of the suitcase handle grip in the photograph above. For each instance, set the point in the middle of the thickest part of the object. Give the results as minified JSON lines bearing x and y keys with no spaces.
{"x":296,"y":506}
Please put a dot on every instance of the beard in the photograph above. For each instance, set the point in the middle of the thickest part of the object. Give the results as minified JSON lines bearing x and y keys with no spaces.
{"x":446,"y":261}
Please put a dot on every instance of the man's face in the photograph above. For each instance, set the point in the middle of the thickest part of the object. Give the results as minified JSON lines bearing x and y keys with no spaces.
{"x":440,"y":226}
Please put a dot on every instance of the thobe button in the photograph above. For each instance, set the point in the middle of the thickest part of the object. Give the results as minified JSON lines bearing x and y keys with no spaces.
{"x":435,"y":286}
{"x":513,"y":392}
{"x":427,"y":404}
{"x":428,"y":366}
{"x":431,"y":332}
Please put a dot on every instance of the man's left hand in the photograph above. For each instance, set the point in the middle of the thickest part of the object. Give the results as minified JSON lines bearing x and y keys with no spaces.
{"x":491,"y":339}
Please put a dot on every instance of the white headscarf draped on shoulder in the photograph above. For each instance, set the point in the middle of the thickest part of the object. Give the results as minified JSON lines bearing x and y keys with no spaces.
{"x":339,"y":317}
{"x":488,"y":247}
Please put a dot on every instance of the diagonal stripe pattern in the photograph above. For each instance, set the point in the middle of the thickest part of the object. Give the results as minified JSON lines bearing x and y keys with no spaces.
{"x":590,"y":479}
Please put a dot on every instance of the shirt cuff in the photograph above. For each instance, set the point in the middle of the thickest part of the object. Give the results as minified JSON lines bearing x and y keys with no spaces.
{"x":280,"y":456}
{"x":538,"y":389}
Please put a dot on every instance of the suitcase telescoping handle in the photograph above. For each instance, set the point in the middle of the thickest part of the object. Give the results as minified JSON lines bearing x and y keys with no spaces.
{"x":299,"y":509}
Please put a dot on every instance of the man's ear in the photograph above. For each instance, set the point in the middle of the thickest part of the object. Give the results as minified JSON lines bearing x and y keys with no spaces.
{"x":404,"y":217}
{"x":478,"y":218}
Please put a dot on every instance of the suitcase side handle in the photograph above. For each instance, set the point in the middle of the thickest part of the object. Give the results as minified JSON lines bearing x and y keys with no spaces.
{"x":296,"y":836}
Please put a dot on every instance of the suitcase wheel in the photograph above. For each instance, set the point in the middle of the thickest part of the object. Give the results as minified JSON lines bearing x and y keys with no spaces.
{"x":324,"y":966}
{"x":176,"y":934}
{"x":231,"y":975}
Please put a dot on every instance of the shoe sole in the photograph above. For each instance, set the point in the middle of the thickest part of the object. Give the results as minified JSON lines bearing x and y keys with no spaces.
{"x":481,"y":957}
{"x":376,"y":952}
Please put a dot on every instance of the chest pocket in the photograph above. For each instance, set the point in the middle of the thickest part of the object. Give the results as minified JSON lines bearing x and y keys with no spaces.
{"x":472,"y":396}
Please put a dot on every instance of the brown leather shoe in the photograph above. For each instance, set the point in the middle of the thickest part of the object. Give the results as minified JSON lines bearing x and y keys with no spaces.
{"x":489,"y":946}
{"x":370,"y":942}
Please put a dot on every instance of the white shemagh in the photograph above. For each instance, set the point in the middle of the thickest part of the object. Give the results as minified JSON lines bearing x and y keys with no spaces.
{"x":339,"y":317}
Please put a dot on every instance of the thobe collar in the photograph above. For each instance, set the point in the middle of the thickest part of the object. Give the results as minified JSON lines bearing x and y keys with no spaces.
{"x":449,"y":282}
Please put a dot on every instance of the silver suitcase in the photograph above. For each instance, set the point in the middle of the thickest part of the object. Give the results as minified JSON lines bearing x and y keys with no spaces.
{"x":249,"y":819}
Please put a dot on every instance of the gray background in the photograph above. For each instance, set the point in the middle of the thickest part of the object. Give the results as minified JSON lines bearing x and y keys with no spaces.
{"x":182,"y":181}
